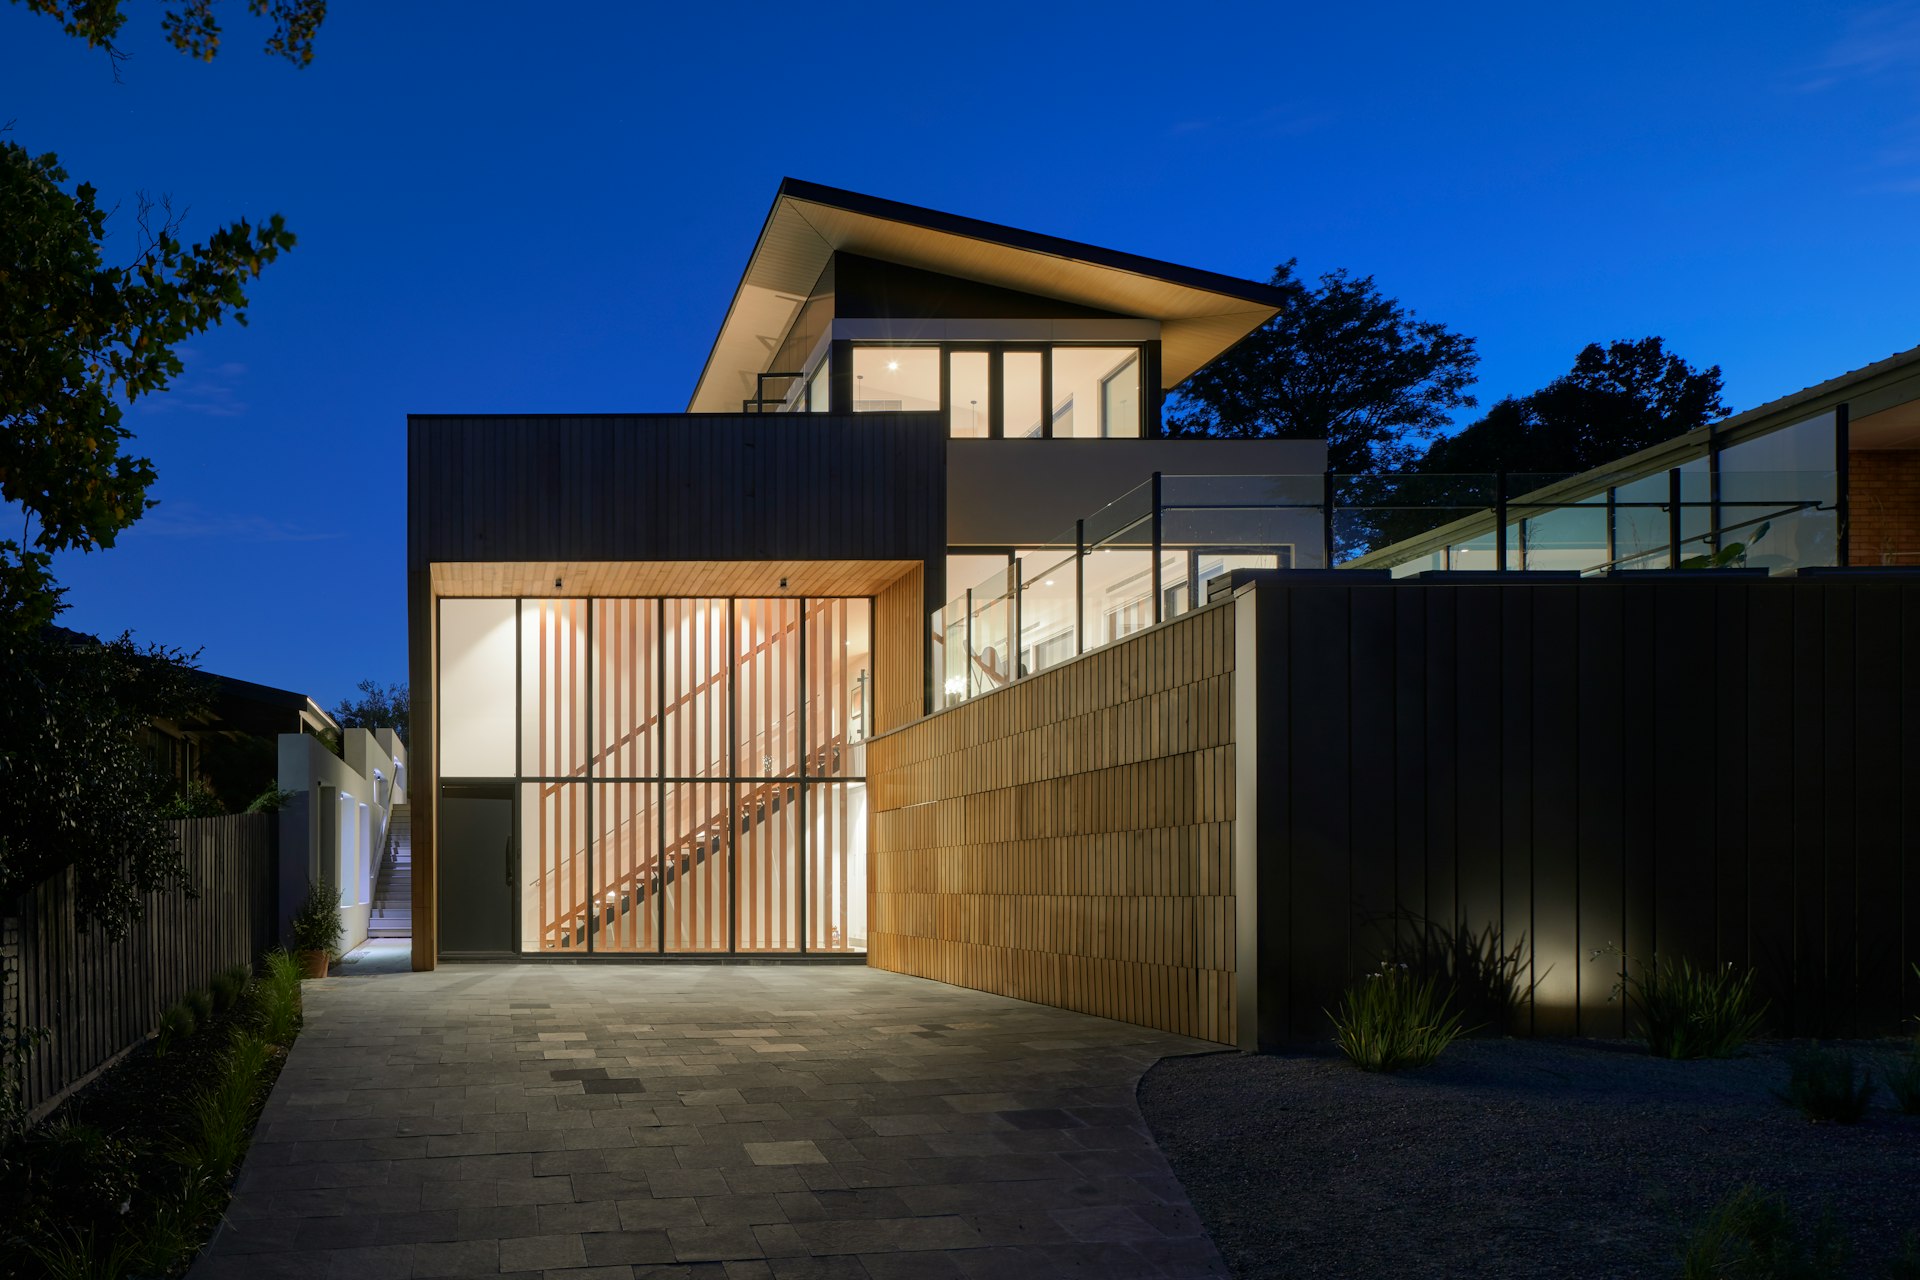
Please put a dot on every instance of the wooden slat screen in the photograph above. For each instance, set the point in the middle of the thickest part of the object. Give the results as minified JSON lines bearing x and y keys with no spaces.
{"x":1069,"y":839}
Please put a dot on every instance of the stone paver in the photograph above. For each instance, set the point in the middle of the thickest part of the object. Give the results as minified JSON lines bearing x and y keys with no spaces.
{"x":628,"y":1121}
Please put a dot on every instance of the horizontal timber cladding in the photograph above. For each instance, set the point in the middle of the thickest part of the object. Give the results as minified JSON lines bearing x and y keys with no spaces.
{"x":1069,"y":839}
{"x":1690,"y":765}
{"x":676,"y":487}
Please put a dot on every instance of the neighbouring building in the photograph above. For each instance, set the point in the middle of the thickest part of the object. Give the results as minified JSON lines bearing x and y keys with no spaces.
{"x":914,"y":640}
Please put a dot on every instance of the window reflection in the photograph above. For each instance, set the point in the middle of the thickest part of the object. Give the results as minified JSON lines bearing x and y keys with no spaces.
{"x":1096,"y":391}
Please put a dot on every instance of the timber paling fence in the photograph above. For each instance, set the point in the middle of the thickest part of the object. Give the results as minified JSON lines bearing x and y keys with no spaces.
{"x":97,"y":998}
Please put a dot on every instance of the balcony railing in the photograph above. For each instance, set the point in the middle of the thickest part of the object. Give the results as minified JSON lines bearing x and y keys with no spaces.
{"x":1148,"y":556}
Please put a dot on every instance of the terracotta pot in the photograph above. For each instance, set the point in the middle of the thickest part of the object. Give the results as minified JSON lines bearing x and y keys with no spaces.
{"x":314,"y":963}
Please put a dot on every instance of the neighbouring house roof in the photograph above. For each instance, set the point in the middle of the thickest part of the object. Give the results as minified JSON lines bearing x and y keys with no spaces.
{"x":265,"y":710}
{"x":1201,"y":313}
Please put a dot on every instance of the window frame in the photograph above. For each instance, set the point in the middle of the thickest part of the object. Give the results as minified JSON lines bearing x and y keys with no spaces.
{"x":1150,"y":424}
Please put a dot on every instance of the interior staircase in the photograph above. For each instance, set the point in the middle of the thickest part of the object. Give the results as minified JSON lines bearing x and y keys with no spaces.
{"x":393,"y":892}
{"x":758,"y":805}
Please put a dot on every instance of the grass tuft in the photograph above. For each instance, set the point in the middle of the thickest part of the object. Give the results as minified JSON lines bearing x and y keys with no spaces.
{"x":222,"y":1116}
{"x":1685,"y":1012}
{"x":276,"y":998}
{"x":176,"y":1023}
{"x":1391,"y":1021}
{"x":1826,"y":1084}
{"x":1752,"y":1236}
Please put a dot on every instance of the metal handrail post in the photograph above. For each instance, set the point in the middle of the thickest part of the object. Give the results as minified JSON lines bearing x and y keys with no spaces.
{"x":1159,"y":605}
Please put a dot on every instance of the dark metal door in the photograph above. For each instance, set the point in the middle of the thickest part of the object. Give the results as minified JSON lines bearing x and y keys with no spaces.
{"x":476,"y":869}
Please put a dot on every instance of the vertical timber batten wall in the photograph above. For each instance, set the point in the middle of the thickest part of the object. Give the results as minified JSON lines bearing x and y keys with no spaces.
{"x":1069,"y":840}
{"x":1706,"y":766}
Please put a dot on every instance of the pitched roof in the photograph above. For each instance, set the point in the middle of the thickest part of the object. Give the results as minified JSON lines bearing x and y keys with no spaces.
{"x":1201,"y":313}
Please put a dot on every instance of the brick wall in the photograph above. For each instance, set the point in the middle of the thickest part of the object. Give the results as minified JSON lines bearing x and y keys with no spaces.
{"x":1069,"y":840}
{"x":1883,"y":506}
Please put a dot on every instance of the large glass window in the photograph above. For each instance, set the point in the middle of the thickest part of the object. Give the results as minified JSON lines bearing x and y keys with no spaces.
{"x":1066,"y":391}
{"x":968,"y":393}
{"x":1096,"y":391}
{"x":896,"y":379}
{"x":1021,"y":413}
{"x":668,"y":752}
{"x":1777,"y":497}
{"x":476,"y":689}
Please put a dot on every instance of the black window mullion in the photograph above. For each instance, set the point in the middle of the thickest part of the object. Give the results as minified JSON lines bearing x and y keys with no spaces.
{"x":733,"y":782}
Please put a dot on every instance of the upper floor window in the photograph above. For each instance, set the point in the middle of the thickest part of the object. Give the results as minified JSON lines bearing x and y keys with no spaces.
{"x":896,"y":379}
{"x":1008,"y":390}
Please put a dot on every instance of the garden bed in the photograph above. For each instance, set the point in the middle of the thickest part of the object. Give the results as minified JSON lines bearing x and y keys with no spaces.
{"x":131,"y":1174}
{"x":1530,"y":1158}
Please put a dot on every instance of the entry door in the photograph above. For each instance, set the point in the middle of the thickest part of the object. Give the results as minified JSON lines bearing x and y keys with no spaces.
{"x":476,"y":869}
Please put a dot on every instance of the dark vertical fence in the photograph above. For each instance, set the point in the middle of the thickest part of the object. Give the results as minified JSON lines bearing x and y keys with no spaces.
{"x":97,"y":998}
{"x":1707,"y":766}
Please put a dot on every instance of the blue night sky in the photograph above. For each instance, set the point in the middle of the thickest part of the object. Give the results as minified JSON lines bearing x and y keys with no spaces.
{"x":504,"y":207}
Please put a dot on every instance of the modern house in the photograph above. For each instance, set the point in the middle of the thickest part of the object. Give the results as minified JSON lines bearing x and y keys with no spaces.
{"x":914,"y":640}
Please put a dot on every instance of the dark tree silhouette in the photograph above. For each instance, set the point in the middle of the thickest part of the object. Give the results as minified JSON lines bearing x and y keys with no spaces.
{"x":1616,"y":400}
{"x":377,"y":708}
{"x":1341,"y":363}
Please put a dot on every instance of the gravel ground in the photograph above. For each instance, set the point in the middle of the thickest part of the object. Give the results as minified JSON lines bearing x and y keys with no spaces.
{"x":1513,"y":1158}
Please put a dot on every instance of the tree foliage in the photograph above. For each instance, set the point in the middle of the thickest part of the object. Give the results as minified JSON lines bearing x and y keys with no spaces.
{"x":1341,"y":363}
{"x":76,"y":785}
{"x":79,"y":340}
{"x":191,"y":26}
{"x":377,"y":708}
{"x":1616,"y":400}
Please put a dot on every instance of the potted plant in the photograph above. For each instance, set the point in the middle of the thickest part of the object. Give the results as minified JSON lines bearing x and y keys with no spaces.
{"x":316,"y":928}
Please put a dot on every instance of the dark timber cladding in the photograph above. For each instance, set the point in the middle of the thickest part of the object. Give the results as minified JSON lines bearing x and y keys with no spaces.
{"x":1713,"y":766}
{"x":677,"y":487}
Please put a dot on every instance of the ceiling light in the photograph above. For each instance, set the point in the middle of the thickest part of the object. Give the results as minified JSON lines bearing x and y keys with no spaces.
{"x":1049,"y":582}
{"x":893,"y":366}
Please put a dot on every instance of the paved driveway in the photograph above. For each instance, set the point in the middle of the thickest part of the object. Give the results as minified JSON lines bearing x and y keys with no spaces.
{"x":697,"y":1120}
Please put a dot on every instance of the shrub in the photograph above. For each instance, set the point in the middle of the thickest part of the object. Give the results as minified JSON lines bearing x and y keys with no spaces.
{"x":1750,"y":1235}
{"x":176,"y":1023}
{"x":229,"y":985}
{"x":316,"y":925}
{"x":1685,"y":1012}
{"x":197,"y":800}
{"x":1826,"y":1084}
{"x":90,"y":1174}
{"x":1391,"y":1021}
{"x":1488,"y":980}
{"x":1903,"y":1079}
{"x":272,"y":800}
{"x":201,"y":1003}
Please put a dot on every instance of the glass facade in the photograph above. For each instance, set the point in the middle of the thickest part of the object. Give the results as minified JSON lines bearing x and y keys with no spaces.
{"x":1006,"y":390}
{"x":669,"y":757}
{"x":1767,"y":501}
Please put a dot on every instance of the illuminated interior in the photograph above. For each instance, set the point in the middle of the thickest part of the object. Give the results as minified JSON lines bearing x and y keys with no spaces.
{"x":1079,"y":392}
{"x":691,"y":773}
